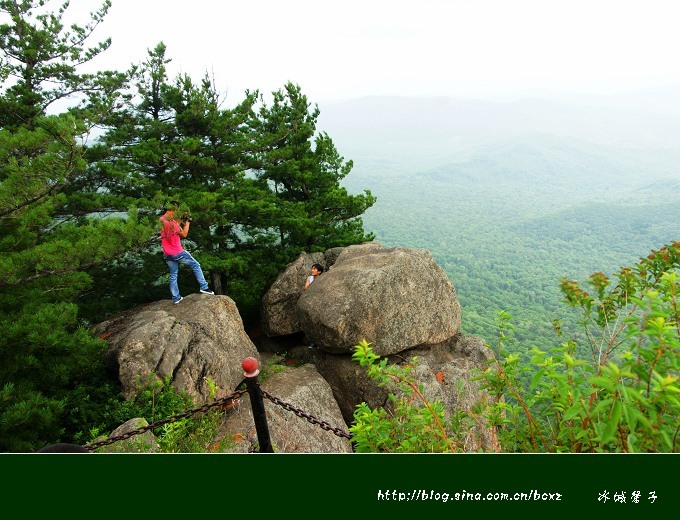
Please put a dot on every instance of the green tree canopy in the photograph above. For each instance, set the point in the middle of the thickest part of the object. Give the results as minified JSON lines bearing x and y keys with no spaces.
{"x":41,"y":58}
{"x":49,"y":237}
{"x":304,"y":170}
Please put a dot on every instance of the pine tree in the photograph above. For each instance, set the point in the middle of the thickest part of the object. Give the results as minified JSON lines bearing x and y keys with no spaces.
{"x":41,"y":59}
{"x":51,"y":233}
{"x":135,"y":155}
{"x":233,"y":208}
{"x":304,"y":170}
{"x":175,"y":140}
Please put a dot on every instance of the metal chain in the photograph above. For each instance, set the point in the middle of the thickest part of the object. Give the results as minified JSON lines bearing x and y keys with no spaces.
{"x":233,"y":398}
{"x":323,"y":424}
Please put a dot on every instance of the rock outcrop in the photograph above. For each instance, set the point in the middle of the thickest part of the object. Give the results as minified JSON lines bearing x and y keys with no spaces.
{"x":444,"y":371}
{"x":302,"y":388}
{"x":279,"y":304}
{"x":398,"y":299}
{"x":394,"y":298}
{"x":198,"y":339}
{"x":140,"y":443}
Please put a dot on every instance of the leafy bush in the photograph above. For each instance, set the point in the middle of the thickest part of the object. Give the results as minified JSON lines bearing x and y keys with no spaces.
{"x":158,"y":400}
{"x":412,"y":424}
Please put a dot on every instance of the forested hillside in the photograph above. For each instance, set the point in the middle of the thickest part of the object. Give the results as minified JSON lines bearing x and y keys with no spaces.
{"x":511,"y":197}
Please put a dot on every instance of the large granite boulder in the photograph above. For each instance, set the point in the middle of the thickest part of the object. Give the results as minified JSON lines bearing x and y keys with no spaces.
{"x":198,"y":339}
{"x":304,"y":389}
{"x":395,"y":298}
{"x":140,"y":443}
{"x":278,"y":305}
{"x":446,"y":373}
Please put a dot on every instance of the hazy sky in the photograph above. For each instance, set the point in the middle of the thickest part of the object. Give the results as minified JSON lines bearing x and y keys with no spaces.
{"x":350,"y":48}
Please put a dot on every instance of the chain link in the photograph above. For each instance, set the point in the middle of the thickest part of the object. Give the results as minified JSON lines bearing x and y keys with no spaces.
{"x":300,"y":413}
{"x":225,"y":401}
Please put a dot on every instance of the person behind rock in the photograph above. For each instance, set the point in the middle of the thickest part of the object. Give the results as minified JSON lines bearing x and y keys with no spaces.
{"x":317,"y":269}
{"x":173,"y":252}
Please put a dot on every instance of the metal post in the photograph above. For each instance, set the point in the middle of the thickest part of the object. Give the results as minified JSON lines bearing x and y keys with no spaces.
{"x":251,"y":371}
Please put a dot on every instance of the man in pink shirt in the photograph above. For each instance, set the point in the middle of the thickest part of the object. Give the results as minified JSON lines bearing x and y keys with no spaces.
{"x":173,"y":252}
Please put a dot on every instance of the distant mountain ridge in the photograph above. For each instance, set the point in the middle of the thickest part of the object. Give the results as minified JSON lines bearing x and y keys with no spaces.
{"x":431,"y":131}
{"x":550,"y":158}
{"x":615,"y":147}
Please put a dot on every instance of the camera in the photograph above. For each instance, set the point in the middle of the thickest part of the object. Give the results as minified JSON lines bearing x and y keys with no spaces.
{"x":186,"y":217}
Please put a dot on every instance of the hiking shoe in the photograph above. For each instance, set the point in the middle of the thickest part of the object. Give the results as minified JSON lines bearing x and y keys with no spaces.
{"x":206,"y":291}
{"x":180,"y":299}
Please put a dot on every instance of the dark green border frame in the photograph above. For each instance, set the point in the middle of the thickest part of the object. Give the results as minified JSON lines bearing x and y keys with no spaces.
{"x":339,"y":485}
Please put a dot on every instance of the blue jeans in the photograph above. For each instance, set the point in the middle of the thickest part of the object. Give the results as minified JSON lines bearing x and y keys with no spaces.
{"x":185,"y":258}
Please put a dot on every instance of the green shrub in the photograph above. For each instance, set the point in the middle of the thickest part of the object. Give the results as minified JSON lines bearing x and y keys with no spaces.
{"x":411,"y":425}
{"x":158,"y":400}
{"x":622,"y":396}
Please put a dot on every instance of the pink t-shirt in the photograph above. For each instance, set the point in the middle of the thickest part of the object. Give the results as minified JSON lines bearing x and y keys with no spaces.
{"x":170,"y":240}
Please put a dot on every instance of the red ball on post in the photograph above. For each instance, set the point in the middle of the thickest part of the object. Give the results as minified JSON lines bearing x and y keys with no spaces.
{"x":250,"y":367}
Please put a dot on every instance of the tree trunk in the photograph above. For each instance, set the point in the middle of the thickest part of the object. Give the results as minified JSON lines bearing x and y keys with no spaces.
{"x":216,"y":278}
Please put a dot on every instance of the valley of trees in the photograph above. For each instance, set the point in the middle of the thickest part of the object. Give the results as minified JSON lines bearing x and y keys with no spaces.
{"x":509,"y":216}
{"x":86,"y":163}
{"x":507,"y":247}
